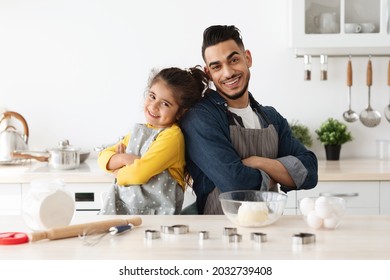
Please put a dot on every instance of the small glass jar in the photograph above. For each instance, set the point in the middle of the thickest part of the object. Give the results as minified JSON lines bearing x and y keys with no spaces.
{"x":324,"y":67}
{"x":383,"y":149}
{"x":307,"y":67}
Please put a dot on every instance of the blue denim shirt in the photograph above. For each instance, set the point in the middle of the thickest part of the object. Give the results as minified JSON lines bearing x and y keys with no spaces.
{"x":213,"y":162}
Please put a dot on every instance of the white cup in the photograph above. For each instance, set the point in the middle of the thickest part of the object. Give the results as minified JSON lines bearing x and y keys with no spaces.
{"x":368,"y":27}
{"x":327,"y":23}
{"x":352,"y":28}
{"x":47,"y":205}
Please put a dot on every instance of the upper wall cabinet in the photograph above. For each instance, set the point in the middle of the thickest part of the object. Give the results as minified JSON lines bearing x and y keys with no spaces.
{"x":339,"y":25}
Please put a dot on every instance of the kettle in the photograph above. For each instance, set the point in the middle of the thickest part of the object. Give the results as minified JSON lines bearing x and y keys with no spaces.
{"x":11,"y":139}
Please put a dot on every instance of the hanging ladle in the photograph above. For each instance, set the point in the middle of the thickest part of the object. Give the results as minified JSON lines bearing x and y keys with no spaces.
{"x":370,"y":117}
{"x":350,"y":115}
{"x":387,"y":108}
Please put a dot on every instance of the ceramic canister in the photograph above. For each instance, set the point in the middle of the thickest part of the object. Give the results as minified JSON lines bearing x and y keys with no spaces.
{"x":47,"y":205}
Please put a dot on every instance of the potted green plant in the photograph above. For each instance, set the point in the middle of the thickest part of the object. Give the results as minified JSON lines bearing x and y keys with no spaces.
{"x":302,"y":133}
{"x":332,"y":134}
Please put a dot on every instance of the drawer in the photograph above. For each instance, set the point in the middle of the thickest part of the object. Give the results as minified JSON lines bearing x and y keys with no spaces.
{"x":291,"y":199}
{"x":10,"y":199}
{"x":385,"y":198}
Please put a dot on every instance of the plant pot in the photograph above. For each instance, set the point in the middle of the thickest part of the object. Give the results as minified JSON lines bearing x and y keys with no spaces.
{"x":332,"y":152}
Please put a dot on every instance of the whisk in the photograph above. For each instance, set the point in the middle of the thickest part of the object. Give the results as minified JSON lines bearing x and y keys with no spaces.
{"x":91,"y":237}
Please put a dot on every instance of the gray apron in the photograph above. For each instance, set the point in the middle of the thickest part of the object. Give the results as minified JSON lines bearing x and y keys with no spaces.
{"x":247,"y":142}
{"x":161,"y":195}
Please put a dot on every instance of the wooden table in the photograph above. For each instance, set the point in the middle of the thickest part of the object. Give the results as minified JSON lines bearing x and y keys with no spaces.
{"x":358,"y":237}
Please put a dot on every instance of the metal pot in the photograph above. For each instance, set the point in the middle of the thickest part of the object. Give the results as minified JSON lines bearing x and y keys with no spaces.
{"x":11,"y":139}
{"x":63,"y":157}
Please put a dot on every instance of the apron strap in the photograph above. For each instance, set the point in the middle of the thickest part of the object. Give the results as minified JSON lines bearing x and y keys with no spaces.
{"x":234,"y":119}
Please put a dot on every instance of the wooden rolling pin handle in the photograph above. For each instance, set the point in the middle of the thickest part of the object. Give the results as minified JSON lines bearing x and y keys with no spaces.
{"x":80,"y":229}
{"x":369,"y":73}
{"x":349,"y":74}
{"x":388,"y":74}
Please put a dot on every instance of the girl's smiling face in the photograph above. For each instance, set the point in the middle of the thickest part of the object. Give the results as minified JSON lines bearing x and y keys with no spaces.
{"x":160,"y":107}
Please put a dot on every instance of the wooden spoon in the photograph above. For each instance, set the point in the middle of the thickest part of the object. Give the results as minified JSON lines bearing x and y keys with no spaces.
{"x":350,"y":115}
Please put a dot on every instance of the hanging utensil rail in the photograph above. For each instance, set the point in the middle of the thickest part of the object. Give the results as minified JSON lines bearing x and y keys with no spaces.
{"x":345,"y":55}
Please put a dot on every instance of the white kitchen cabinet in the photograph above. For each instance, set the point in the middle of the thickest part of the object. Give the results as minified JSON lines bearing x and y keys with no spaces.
{"x":362,"y":197}
{"x":291,"y":205}
{"x":384,"y":198}
{"x":10,"y":199}
{"x":88,"y":196}
{"x":321,"y":24}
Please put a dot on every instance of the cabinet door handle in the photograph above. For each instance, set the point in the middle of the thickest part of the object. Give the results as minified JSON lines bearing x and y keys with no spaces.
{"x":345,"y":195}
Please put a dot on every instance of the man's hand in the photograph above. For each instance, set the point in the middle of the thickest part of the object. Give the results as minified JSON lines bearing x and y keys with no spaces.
{"x":275,"y":170}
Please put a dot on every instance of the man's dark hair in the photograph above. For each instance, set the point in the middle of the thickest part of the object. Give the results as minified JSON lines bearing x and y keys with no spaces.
{"x":220,"y":33}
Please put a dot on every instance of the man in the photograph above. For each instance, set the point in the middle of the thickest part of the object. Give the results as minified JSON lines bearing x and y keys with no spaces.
{"x":233,"y":142}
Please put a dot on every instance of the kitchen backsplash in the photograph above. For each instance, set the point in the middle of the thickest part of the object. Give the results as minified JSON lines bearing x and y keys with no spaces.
{"x":78,"y":70}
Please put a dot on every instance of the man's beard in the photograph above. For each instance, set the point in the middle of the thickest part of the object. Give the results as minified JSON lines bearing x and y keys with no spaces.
{"x":238,"y":94}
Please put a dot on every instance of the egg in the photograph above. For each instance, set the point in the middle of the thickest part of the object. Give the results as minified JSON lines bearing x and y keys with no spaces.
{"x":323,"y":208}
{"x":338,"y":209}
{"x":321,"y":200}
{"x":313,"y":220}
{"x":331,"y":222}
{"x":306,"y":205}
{"x":252,"y":212}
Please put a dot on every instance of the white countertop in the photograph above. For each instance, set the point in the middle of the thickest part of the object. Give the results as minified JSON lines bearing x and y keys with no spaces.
{"x":358,"y":237}
{"x":353,"y":169}
{"x":87,"y":172}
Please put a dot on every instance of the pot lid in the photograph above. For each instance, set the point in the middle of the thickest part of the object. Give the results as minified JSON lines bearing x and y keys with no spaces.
{"x":65,"y":146}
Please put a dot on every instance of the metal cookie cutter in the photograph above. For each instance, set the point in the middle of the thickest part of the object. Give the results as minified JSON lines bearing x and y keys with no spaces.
{"x":229,"y":230}
{"x":304,"y":238}
{"x":180,"y":229}
{"x":203,"y":235}
{"x":235,"y":237}
{"x":259,"y":237}
{"x":167,"y":229}
{"x":152,"y":234}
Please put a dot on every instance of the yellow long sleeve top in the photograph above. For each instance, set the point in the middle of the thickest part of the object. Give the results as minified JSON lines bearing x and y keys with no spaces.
{"x":166,"y":152}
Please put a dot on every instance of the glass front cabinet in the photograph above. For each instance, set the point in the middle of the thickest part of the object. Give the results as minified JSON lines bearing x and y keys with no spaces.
{"x":345,"y":24}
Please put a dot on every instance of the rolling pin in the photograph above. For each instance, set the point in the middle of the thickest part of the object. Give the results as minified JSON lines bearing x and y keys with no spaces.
{"x":80,"y":229}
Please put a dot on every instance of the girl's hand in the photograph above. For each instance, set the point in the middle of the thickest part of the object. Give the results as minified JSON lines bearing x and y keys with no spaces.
{"x":123,"y":157}
{"x":120,"y":148}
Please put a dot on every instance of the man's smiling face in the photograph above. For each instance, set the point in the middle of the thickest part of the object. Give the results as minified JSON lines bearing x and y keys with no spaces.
{"x":228,"y":67}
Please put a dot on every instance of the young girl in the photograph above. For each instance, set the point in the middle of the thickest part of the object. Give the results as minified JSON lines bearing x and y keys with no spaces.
{"x":149,"y":163}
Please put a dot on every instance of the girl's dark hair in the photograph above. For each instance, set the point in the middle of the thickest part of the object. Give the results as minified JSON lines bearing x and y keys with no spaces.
{"x":188,"y":85}
{"x":216,"y":34}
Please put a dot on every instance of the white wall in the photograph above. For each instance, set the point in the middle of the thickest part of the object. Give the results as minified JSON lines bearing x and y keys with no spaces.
{"x":77,"y":69}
